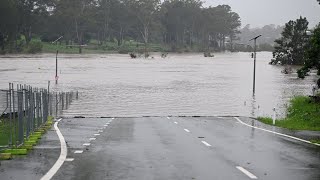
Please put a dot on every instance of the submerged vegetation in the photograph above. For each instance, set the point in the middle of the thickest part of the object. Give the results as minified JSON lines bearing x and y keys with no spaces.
{"x":303,"y":114}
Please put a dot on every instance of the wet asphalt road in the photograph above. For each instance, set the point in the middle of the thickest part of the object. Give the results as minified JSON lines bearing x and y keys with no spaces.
{"x":162,"y":148}
{"x":184,"y":148}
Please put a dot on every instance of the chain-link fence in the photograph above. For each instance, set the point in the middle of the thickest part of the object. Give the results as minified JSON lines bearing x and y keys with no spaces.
{"x":25,"y":109}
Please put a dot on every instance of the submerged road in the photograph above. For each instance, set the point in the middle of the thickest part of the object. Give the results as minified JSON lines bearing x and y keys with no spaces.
{"x":203,"y":148}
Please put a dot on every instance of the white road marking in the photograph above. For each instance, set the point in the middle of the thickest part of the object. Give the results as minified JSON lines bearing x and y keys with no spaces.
{"x":273,"y":132}
{"x":92,"y":139}
{"x":62,"y":157}
{"x":168,"y":117}
{"x":69,"y":159}
{"x":59,"y":120}
{"x":78,"y":152}
{"x":106,"y":125}
{"x":112,"y":118}
{"x":205,"y":143}
{"x":86,"y":144}
{"x":187,"y":130}
{"x":96,"y":134}
{"x":100,"y":131}
{"x":246,"y":172}
{"x":176,"y":122}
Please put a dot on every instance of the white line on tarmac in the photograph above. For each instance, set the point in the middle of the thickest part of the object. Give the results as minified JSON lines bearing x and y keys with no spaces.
{"x":187,"y":130}
{"x":273,"y":132}
{"x":96,"y":134}
{"x":168,"y":118}
{"x":69,"y":159}
{"x":106,"y":125}
{"x":246,"y":172}
{"x":92,"y":139}
{"x":112,"y":118}
{"x":62,"y":157}
{"x":78,"y":152}
{"x":176,"y":122}
{"x":86,"y":144}
{"x":205,"y":143}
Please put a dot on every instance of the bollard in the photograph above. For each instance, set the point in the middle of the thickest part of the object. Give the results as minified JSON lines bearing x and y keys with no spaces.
{"x":274,"y":116}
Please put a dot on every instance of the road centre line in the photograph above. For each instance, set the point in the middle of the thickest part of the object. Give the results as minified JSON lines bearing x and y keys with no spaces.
{"x":273,"y":132}
{"x":69,"y":159}
{"x":86,"y":144}
{"x":168,"y":117}
{"x":176,"y":122}
{"x":96,"y":134}
{"x":78,"y":152}
{"x":205,"y":143}
{"x":246,"y":172}
{"x":187,"y":130}
{"x":62,"y":157}
{"x":92,"y":139}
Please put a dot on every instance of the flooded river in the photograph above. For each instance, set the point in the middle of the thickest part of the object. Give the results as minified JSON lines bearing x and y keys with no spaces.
{"x":182,"y":84}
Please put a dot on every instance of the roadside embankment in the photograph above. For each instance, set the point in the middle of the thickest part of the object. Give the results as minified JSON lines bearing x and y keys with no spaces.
{"x":303,"y":114}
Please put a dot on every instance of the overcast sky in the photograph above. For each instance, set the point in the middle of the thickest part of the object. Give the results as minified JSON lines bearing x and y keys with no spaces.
{"x":258,"y":13}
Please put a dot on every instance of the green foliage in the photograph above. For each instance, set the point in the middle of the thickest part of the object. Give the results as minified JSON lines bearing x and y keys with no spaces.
{"x":313,"y":55}
{"x":303,"y":114}
{"x":290,"y":48}
{"x":266,"y":120}
{"x":34,"y":47}
{"x":183,"y":23}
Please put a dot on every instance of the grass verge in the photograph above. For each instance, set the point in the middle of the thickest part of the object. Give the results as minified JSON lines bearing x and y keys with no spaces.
{"x":303,"y":114}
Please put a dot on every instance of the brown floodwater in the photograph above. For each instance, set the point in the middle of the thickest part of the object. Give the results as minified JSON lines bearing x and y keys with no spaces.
{"x":181,"y":84}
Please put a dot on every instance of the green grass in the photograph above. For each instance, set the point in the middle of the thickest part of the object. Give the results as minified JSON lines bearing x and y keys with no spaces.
{"x":303,"y":114}
{"x":317,"y":141}
{"x":93,"y":47}
{"x":5,"y":132}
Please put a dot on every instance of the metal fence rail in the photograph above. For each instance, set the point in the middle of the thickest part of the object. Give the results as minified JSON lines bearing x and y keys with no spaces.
{"x":24,"y":109}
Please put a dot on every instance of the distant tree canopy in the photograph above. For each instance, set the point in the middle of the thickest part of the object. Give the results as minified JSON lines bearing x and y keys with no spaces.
{"x":176,"y":23}
{"x":290,"y":48}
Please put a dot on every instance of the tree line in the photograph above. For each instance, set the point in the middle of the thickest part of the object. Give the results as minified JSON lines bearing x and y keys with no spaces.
{"x":174,"y":23}
{"x":299,"y":45}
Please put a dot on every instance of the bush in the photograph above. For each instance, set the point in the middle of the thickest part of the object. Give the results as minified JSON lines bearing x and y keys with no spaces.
{"x":34,"y":47}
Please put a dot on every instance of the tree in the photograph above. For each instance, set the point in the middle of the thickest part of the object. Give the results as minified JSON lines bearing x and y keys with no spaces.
{"x":8,"y":23}
{"x":144,"y":11}
{"x":289,"y":49}
{"x":313,"y":55}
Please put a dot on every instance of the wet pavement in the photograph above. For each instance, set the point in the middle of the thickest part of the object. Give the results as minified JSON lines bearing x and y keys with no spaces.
{"x":168,"y":148}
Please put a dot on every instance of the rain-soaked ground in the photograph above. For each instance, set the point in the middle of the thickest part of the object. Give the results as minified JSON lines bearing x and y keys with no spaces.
{"x":182,"y":84}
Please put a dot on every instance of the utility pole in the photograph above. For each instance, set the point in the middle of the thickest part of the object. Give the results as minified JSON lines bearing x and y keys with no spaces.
{"x":254,"y":64}
{"x":56,"y":41}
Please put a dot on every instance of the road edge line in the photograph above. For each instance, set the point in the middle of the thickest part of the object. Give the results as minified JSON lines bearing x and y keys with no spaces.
{"x":273,"y":132}
{"x":63,"y":154}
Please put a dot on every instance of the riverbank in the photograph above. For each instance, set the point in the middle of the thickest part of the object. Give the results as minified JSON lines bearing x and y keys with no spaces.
{"x":302,"y":114}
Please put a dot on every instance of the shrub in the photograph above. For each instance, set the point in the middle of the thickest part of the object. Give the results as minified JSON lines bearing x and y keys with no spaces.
{"x":34,"y":47}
